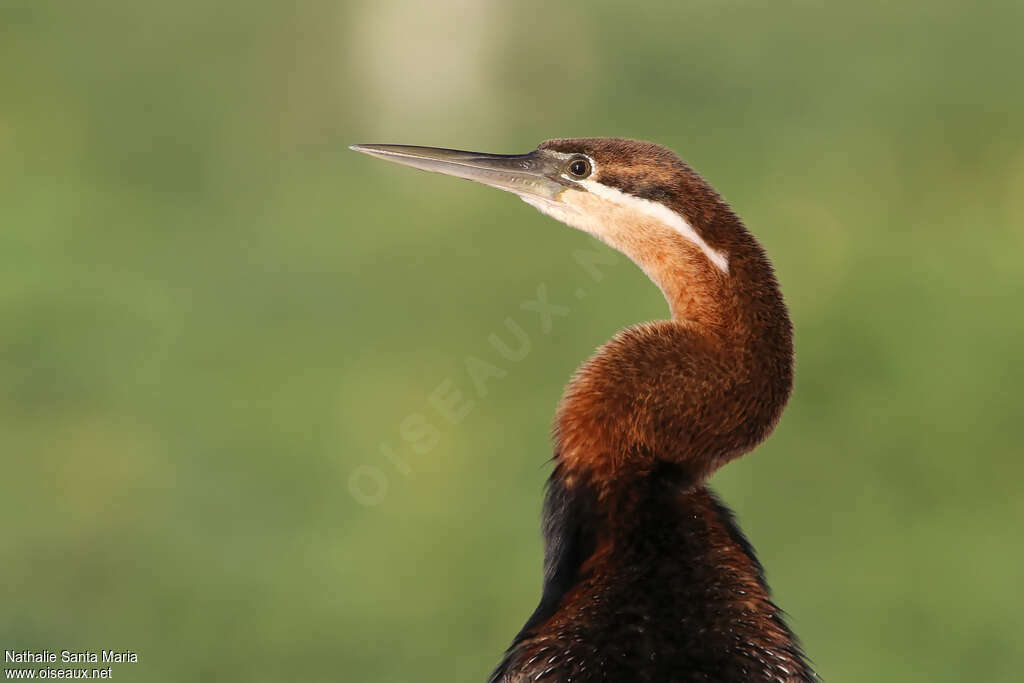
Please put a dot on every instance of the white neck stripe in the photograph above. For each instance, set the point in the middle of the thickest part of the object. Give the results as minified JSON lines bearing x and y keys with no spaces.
{"x":662,"y":214}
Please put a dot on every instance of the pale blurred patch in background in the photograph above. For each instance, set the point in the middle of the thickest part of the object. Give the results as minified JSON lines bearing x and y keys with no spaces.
{"x":212,"y":314}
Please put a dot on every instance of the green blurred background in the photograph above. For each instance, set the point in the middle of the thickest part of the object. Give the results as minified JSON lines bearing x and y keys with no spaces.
{"x":219,"y":328}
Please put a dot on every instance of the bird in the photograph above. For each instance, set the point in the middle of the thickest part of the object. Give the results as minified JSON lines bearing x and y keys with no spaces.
{"x":647,"y":575}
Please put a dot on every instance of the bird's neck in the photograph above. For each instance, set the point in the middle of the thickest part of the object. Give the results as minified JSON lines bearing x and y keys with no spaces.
{"x":697,"y":390}
{"x":630,"y":528}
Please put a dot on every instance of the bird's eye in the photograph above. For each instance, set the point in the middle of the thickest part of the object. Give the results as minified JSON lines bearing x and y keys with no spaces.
{"x":580,"y":168}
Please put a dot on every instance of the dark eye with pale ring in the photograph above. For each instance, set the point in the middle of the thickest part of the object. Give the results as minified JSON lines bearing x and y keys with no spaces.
{"x":580,"y":168}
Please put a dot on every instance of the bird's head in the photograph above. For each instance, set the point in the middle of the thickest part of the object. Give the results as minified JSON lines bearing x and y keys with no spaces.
{"x":638,"y":197}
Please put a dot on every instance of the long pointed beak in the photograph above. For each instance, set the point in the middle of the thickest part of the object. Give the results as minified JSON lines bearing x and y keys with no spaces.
{"x":532,"y":175}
